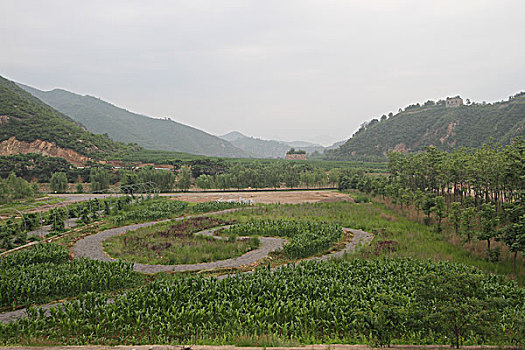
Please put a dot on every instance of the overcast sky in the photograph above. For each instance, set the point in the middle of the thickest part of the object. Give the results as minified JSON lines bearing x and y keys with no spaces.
{"x":292,"y":70}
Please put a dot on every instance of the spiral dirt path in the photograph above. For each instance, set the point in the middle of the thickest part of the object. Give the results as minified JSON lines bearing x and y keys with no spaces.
{"x":91,"y":247}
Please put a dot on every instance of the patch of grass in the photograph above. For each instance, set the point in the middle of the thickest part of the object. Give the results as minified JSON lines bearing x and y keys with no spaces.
{"x":413,"y":239}
{"x":175,"y":243}
{"x":13,"y":208}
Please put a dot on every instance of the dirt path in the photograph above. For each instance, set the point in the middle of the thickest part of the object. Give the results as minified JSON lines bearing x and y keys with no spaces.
{"x":91,"y":247}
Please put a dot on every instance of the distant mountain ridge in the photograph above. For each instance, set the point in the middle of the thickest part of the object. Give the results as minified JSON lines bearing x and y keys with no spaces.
{"x":101,"y":117}
{"x":27,"y":125}
{"x":268,"y":148}
{"x":436,"y":124}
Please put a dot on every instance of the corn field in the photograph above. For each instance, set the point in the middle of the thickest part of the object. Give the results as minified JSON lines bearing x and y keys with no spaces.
{"x":154,"y":209}
{"x":206,"y":207}
{"x":306,"y":238}
{"x":45,"y":273}
{"x":378,"y":302}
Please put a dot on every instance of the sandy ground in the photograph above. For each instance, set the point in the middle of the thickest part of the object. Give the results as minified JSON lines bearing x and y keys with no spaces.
{"x":264,"y":197}
{"x":289,"y":197}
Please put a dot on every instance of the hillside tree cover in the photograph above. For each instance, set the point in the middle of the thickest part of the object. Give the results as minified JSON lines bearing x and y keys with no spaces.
{"x":447,"y":129}
{"x":29,"y":119}
{"x":103,"y":118}
{"x":39,"y":168}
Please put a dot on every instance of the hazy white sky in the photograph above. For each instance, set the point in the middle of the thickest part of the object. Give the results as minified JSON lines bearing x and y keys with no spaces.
{"x":310,"y":70}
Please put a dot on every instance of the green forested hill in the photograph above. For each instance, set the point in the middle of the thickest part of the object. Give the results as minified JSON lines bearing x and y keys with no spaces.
{"x":29,"y":119}
{"x":121,"y":125}
{"x":417,"y":126}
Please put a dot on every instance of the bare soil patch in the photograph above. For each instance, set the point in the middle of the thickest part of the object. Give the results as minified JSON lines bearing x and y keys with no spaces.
{"x":285,"y":197}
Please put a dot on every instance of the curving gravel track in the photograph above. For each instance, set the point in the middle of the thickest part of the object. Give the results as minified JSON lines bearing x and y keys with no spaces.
{"x":91,"y":247}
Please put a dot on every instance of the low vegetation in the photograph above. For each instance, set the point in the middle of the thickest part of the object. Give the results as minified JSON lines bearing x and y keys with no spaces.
{"x":175,"y":243}
{"x":206,"y":207}
{"x":45,"y":273}
{"x":394,"y":234}
{"x":306,"y":238}
{"x":379,"y":302}
{"x":154,"y":209}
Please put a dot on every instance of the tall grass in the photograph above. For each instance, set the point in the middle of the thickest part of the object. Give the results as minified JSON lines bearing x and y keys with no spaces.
{"x":413,"y":239}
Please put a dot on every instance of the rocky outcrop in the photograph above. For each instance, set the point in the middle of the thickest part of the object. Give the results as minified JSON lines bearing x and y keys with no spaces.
{"x":401,"y":148}
{"x":46,"y":148}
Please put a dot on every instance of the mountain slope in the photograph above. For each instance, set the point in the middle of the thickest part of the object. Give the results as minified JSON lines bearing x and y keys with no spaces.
{"x":101,"y":117}
{"x":232,"y":136}
{"x":434,"y":124}
{"x":309,"y":147}
{"x":268,"y":148}
{"x":258,"y":147}
{"x":29,"y":125}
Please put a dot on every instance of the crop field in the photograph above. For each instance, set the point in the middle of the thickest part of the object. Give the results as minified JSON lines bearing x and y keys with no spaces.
{"x":379,"y":301}
{"x":411,"y":239}
{"x":152,"y":210}
{"x":306,"y":238}
{"x":45,"y":273}
{"x":206,"y":207}
{"x":407,"y":287}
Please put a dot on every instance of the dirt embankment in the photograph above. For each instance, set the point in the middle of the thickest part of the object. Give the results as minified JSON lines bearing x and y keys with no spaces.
{"x":46,"y":148}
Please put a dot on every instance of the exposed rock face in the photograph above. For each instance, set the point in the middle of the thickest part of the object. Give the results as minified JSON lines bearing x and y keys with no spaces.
{"x":46,"y":148}
{"x":450,"y":132}
{"x":401,"y":148}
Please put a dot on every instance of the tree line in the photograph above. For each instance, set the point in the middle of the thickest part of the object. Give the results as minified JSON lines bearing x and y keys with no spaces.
{"x":202,"y":175}
{"x":481,"y":192}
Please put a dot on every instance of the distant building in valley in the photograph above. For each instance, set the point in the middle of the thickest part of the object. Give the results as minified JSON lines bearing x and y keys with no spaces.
{"x":296,"y":154}
{"x":454,"y":102}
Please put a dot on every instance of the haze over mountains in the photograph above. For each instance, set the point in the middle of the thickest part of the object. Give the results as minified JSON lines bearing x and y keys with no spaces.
{"x":268,"y":148}
{"x":58,"y":117}
{"x":101,"y":117}
{"x":121,"y":125}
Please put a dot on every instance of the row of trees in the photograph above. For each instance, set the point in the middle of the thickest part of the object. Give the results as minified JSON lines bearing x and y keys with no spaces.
{"x":238,"y":176}
{"x":491,"y":174}
{"x":481,"y":193}
{"x":14,"y":187}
